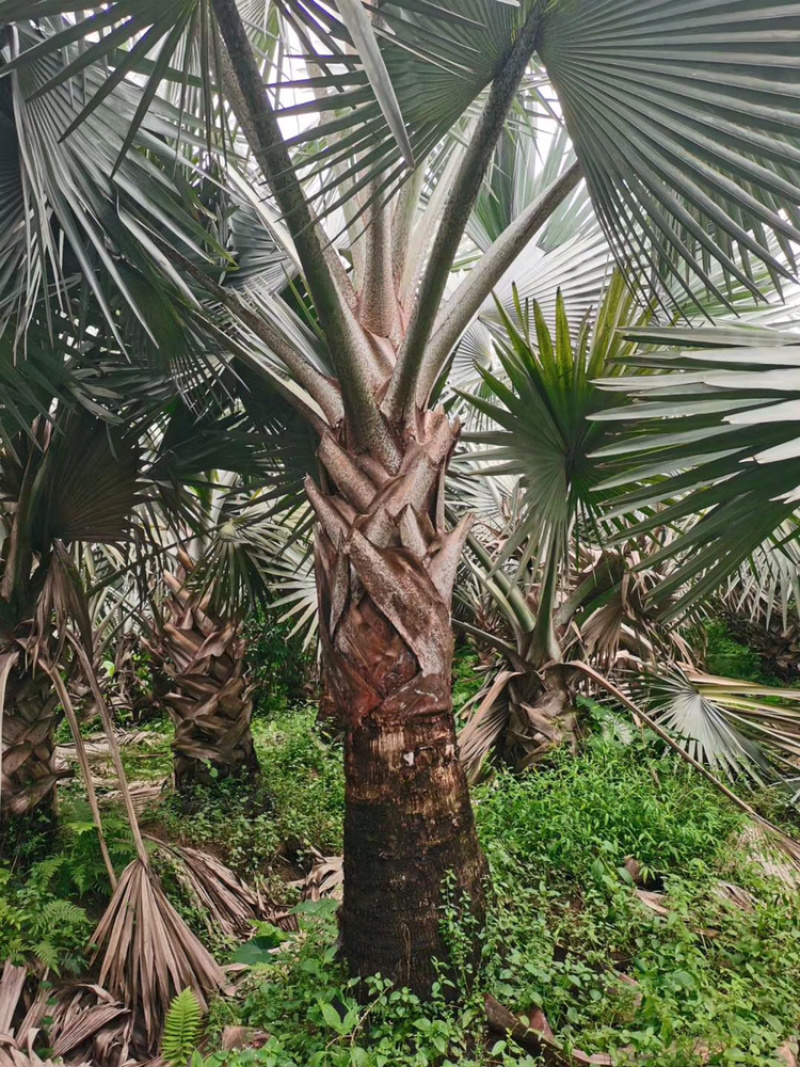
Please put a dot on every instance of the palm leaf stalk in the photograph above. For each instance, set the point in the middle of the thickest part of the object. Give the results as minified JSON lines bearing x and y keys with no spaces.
{"x":687,"y":160}
{"x":151,"y":954}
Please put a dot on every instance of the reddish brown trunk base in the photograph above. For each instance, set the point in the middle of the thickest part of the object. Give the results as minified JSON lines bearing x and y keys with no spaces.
{"x":28,"y":776}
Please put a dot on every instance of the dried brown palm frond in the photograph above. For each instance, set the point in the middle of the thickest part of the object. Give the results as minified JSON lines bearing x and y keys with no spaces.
{"x":227,"y":902}
{"x":12,"y":984}
{"x":144,"y":793}
{"x":87,"y":1023}
{"x":97,"y":747}
{"x":13,"y":1057}
{"x":150,"y":953}
{"x":778,"y":859}
{"x":82,"y":1023}
{"x":210,"y":701}
{"x":325,"y":880}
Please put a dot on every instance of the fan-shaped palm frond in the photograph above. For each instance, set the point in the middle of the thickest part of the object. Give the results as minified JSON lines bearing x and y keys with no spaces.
{"x":716,"y":435}
{"x":70,"y":210}
{"x":733,"y":727}
{"x":544,"y":434}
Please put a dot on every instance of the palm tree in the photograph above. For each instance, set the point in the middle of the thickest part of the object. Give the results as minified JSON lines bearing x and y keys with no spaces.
{"x":66,"y":479}
{"x":542,"y":554}
{"x":209,"y":700}
{"x":684,"y":126}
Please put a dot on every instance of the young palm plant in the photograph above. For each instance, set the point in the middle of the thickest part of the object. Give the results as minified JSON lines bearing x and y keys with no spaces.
{"x":556,"y":584}
{"x":687,"y":139}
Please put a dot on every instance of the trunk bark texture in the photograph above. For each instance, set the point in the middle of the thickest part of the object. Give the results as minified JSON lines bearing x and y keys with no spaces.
{"x":30,"y":717}
{"x":210,"y":702}
{"x":385,"y":571}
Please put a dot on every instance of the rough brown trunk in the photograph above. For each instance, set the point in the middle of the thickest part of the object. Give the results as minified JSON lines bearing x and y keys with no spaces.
{"x":209,"y":702}
{"x":28,"y":780}
{"x":385,"y":570}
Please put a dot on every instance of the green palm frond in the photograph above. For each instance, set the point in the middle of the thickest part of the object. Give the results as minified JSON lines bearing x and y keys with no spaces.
{"x":70,"y":211}
{"x":684,"y":117}
{"x":717,"y":434}
{"x":733,"y":727}
{"x":86,"y":486}
{"x":542,"y":431}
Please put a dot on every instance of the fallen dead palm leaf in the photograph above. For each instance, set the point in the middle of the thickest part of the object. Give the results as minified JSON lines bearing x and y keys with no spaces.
{"x":325,"y":880}
{"x":143,"y":794}
{"x":98,"y":749}
{"x":766,"y":853}
{"x":228,"y":902}
{"x":89,"y":1023}
{"x":83,"y":1022}
{"x":150,"y":953}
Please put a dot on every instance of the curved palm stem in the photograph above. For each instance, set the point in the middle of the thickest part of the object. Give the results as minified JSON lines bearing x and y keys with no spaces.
{"x":465,"y":302}
{"x":402,"y":391}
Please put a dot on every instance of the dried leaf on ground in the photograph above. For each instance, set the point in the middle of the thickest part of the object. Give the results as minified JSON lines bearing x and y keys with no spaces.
{"x":325,"y":879}
{"x":150,"y":952}
{"x":228,"y":902}
{"x":239,"y":1037}
{"x":653,"y":901}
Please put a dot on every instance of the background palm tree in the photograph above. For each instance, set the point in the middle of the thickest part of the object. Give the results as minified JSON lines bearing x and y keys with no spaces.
{"x":686,"y":136}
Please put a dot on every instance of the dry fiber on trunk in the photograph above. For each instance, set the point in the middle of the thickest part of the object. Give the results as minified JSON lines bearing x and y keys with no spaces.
{"x":30,"y":716}
{"x":385,"y":570}
{"x":210,"y":701}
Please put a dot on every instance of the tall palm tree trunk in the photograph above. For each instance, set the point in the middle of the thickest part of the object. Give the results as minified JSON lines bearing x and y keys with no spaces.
{"x":385,"y":569}
{"x":210,"y":701}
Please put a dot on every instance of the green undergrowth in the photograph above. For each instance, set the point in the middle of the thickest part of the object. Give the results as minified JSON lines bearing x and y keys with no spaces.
{"x":729,"y":658}
{"x":297,"y":806}
{"x":567,"y":934}
{"x":49,"y":905}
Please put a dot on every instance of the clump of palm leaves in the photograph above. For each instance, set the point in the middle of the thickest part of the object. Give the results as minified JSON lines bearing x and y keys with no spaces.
{"x":557,"y":588}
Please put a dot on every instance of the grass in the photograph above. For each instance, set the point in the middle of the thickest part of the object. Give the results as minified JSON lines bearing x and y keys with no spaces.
{"x":567,"y":932}
{"x":298,"y":806}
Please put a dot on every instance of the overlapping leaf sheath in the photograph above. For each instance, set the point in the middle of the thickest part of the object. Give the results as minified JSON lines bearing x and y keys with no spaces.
{"x":30,"y":716}
{"x":385,"y":570}
{"x":210,"y":701}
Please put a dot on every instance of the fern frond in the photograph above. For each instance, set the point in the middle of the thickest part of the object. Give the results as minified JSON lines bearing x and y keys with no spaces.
{"x":58,"y":913}
{"x":47,"y":953}
{"x":181,"y":1029}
